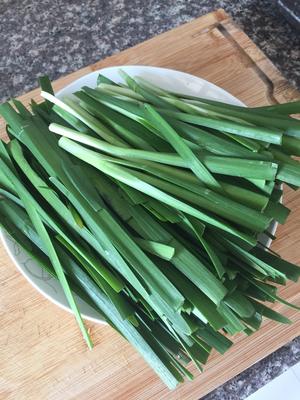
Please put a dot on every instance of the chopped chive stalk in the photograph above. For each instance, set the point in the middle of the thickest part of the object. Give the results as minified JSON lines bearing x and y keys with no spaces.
{"x":259,"y":133}
{"x":75,"y":110}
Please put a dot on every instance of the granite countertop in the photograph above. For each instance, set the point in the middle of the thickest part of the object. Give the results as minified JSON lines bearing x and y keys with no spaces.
{"x":56,"y":37}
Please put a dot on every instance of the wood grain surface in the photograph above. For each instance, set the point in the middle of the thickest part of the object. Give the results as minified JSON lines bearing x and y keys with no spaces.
{"x":42,"y":354}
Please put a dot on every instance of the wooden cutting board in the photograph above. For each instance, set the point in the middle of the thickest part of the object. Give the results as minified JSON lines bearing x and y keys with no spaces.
{"x":42,"y":353}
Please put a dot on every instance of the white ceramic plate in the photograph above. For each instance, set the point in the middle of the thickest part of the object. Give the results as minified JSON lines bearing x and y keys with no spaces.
{"x":165,"y":78}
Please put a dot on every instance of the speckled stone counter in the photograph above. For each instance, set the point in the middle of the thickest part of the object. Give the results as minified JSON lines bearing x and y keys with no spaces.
{"x":56,"y":37}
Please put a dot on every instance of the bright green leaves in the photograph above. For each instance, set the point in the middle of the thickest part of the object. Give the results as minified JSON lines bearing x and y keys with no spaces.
{"x":149,"y":207}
